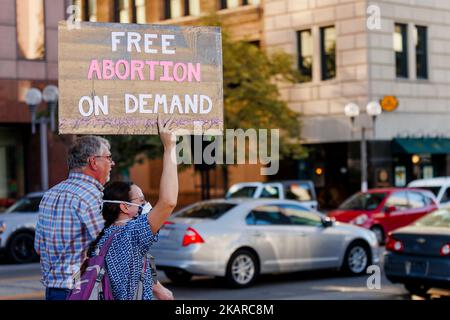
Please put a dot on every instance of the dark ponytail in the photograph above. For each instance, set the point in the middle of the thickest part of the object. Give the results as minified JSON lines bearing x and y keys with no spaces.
{"x":117,"y":190}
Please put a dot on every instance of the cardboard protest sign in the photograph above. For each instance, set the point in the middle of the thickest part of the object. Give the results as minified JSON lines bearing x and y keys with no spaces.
{"x":116,"y":78}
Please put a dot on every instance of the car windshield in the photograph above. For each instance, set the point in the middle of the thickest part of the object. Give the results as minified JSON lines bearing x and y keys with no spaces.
{"x":435,"y":190}
{"x":363,"y":201}
{"x":438,"y":218}
{"x":206,"y":211}
{"x":300,"y":192}
{"x":30,"y":204}
{"x":243,"y":192}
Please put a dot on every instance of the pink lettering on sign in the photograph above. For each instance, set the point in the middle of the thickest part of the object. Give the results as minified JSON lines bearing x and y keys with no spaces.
{"x":151,"y":65}
{"x":166,"y":68}
{"x":108,"y":69}
{"x":144,"y":70}
{"x":137,"y":66}
{"x":123,"y":73}
{"x":94,"y":68}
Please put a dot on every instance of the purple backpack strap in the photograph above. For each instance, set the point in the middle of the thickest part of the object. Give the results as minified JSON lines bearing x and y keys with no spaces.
{"x":94,"y":283}
{"x":107,"y":244}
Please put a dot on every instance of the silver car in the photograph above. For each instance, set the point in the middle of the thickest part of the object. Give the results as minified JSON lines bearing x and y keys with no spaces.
{"x":17,"y":228}
{"x":239,"y":239}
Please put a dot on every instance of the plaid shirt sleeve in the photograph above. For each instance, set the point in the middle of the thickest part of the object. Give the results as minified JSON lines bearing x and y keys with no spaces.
{"x":37,"y":238}
{"x":90,"y":216}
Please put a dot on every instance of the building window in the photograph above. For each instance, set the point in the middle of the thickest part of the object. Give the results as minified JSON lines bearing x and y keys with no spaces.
{"x":328,"y":52}
{"x":84,"y":9}
{"x":172,"y":9}
{"x":30,"y":29}
{"x":420,"y":38}
{"x":186,"y":7}
{"x":179,"y":8}
{"x":401,"y":50}
{"x":11,"y":173}
{"x":255,"y":43}
{"x":140,"y":10}
{"x":193,"y":7}
{"x":176,"y":10}
{"x":305,"y":54}
{"x":91,"y":10}
{"x":222,"y":4}
{"x":230,"y":4}
{"x":251,"y":2}
{"x":124,"y":11}
{"x":80,"y":5}
{"x":167,"y":9}
{"x":88,"y":9}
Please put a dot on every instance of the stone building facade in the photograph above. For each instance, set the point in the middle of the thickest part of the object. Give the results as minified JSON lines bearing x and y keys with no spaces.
{"x":28,"y":58}
{"x":348,"y":51}
{"x":383,"y":48}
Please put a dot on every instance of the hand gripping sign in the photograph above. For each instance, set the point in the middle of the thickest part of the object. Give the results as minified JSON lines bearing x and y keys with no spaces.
{"x":116,"y":78}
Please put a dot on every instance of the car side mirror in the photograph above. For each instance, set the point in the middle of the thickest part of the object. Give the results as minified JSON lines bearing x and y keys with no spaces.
{"x":327,"y":222}
{"x":389,"y":209}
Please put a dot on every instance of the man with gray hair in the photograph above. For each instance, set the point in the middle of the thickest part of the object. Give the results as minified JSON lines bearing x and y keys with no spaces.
{"x":70,"y":215}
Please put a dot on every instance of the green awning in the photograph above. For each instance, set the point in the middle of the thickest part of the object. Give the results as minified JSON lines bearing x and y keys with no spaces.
{"x":422,"y":145}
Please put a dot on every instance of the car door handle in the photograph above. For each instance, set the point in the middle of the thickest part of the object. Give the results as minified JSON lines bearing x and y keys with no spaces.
{"x":257,"y":234}
{"x":301,"y":234}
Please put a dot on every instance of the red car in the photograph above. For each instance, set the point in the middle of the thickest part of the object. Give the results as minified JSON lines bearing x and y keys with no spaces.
{"x":384,"y":210}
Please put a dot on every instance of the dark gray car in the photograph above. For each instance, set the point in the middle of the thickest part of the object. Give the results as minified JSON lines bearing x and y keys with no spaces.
{"x":419,"y":255}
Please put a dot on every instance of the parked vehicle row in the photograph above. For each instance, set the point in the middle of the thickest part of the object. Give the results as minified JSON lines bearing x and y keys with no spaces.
{"x":240,"y":238}
{"x":416,"y":232}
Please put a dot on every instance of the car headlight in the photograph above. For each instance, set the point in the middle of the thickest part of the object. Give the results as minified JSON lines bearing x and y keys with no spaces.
{"x":361,"y":219}
{"x":2,"y":227}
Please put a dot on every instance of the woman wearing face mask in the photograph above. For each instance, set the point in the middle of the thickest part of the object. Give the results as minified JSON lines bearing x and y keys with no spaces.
{"x":125,"y":210}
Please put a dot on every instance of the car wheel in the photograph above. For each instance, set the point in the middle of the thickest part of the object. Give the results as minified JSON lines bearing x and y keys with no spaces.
{"x":21,"y":248}
{"x":242,"y":269}
{"x":379,"y":233}
{"x":357,"y":258}
{"x":178,"y":276}
{"x":417,"y":289}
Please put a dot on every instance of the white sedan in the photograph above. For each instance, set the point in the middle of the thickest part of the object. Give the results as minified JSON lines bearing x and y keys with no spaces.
{"x":17,"y":228}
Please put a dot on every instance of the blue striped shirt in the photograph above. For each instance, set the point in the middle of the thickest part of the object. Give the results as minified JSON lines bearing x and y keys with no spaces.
{"x":69,"y":219}
{"x":125,"y":258}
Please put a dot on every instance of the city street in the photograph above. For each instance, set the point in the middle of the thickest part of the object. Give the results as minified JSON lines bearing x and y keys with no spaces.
{"x":22,"y":282}
{"x":244,"y":136}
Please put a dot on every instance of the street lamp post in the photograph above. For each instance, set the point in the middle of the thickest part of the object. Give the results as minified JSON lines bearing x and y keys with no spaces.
{"x":50,"y":95}
{"x":352,"y":110}
{"x":33,"y":98}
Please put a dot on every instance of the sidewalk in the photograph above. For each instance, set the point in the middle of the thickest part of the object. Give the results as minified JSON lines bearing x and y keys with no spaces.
{"x":22,"y":282}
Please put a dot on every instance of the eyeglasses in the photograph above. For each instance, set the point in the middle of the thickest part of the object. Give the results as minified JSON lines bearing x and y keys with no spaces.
{"x":110,"y":159}
{"x":141,"y":200}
